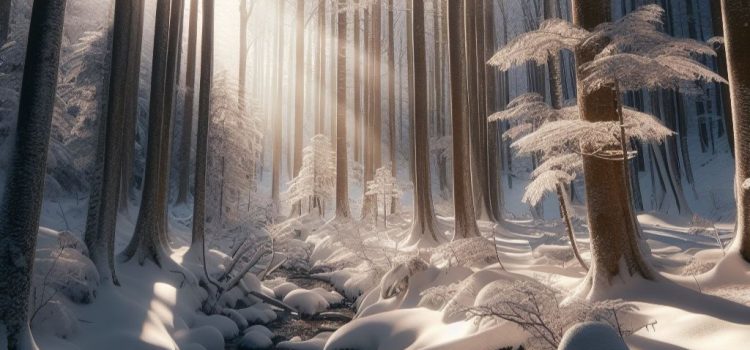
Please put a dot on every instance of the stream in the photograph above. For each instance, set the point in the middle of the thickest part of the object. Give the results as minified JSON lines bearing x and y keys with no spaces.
{"x":287,"y":326}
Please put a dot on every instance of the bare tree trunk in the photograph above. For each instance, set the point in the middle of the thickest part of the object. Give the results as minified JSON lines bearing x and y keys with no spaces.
{"x":276,"y":115}
{"x":299,"y":95}
{"x":721,"y":63}
{"x":102,"y":214}
{"x":342,"y":164}
{"x":423,"y":228}
{"x":493,"y":142}
{"x":331,"y":95}
{"x":392,"y":100}
{"x":204,"y":118}
{"x":131,"y":104}
{"x":24,"y":187}
{"x":358,"y":115}
{"x":736,"y":15}
{"x":411,"y":84}
{"x":463,"y":201}
{"x":321,"y":76}
{"x":612,"y":224}
{"x":369,"y":207}
{"x":147,"y":242}
{"x":187,"y":119}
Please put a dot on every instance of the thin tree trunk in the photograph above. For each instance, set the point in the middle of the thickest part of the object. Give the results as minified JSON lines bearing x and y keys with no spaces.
{"x":423,"y":229}
{"x":321,"y":76}
{"x":276,"y":115}
{"x":612,"y":225}
{"x":147,"y":242}
{"x":204,"y":119}
{"x":411,"y":84}
{"x":24,"y":187}
{"x":358,"y":117}
{"x":493,"y":142}
{"x":463,"y":201}
{"x":133,"y":67}
{"x":374,"y":132}
{"x":187,"y":119}
{"x":102,"y":212}
{"x":342,"y":164}
{"x":721,"y":62}
{"x":299,"y":95}
{"x":392,"y":100}
{"x":736,"y":15}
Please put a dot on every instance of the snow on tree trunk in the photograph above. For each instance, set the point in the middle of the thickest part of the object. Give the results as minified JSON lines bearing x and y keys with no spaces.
{"x":187,"y":119}
{"x":21,"y":204}
{"x":342,"y":164}
{"x":201,"y":147}
{"x":736,"y":15}
{"x":147,"y":242}
{"x":463,"y":201}
{"x":102,"y":214}
{"x":133,"y":68}
{"x":612,"y":225}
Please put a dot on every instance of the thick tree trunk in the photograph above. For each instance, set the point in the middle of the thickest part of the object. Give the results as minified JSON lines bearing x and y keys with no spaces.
{"x":463,"y":201}
{"x":612,"y":225}
{"x":186,"y":135}
{"x":721,"y":63}
{"x":342,"y":163}
{"x":147,"y":241}
{"x":736,"y":15}
{"x":277,"y":109}
{"x":5,"y":13}
{"x":494,"y":158}
{"x":102,"y":214}
{"x":373,"y":142}
{"x":423,"y":228}
{"x":204,"y":118}
{"x":24,"y":188}
{"x":133,"y":67}
{"x":299,"y":87}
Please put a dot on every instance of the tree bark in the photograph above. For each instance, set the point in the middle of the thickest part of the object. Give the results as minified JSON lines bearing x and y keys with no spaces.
{"x":24,"y":187}
{"x":463,"y":201}
{"x":342,"y":164}
{"x":204,"y":118}
{"x":321,"y":76}
{"x":736,"y":15}
{"x":102,"y":212}
{"x":494,"y":156}
{"x":5,"y":13}
{"x":373,"y":142}
{"x":276,"y":115}
{"x":147,"y":242}
{"x":612,"y":224}
{"x":392,"y":142}
{"x":721,"y":63}
{"x":187,"y":119}
{"x":423,"y":229}
{"x":358,"y":115}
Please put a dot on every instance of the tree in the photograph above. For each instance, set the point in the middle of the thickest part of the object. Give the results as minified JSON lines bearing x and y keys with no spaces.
{"x":342,"y":156}
{"x":147,"y":241}
{"x":317,"y":180}
{"x":186,"y":135}
{"x":22,"y":200}
{"x":423,"y":231}
{"x":204,"y":116}
{"x":276,"y":115}
{"x":736,"y":15}
{"x":358,"y":116}
{"x":320,"y":72}
{"x":373,"y":135}
{"x":5,"y":10}
{"x":384,"y":186}
{"x":103,"y":201}
{"x":721,"y":63}
{"x":392,"y":97}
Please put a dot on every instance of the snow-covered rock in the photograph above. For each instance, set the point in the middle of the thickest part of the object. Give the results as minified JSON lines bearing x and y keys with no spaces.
{"x":592,"y":336}
{"x":283,"y":289}
{"x":306,"y":302}
{"x":203,"y":337}
{"x":55,"y":318}
{"x":225,"y":325}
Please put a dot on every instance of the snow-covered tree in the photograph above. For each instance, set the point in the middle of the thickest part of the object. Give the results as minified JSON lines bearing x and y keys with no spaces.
{"x":317,"y":178}
{"x":384,"y":187}
{"x":613,"y":57}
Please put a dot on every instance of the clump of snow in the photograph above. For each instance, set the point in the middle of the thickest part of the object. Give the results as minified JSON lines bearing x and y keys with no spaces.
{"x":258,"y":313}
{"x":235,"y":316}
{"x":55,"y":318}
{"x":66,"y":239}
{"x":225,"y":325}
{"x":333,"y":298}
{"x":283,"y":289}
{"x":255,"y":339}
{"x":592,"y":336}
{"x":306,"y":302}
{"x":67,"y":271}
{"x":206,"y":337}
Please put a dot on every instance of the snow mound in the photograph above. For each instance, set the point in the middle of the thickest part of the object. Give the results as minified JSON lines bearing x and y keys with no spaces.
{"x":316,"y":343}
{"x":55,"y":318}
{"x":65,"y":239}
{"x":68,"y":271}
{"x":255,"y":339}
{"x":592,"y":336}
{"x":225,"y":325}
{"x":258,"y":313}
{"x":235,"y":316}
{"x":333,"y":298}
{"x":306,"y":302}
{"x":283,"y":289}
{"x":203,"y":337}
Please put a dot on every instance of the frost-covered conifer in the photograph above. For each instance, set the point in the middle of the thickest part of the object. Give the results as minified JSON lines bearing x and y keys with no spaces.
{"x":317,"y":178}
{"x":384,"y":187}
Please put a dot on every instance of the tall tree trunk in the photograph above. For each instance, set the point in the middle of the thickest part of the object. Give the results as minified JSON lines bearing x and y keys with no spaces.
{"x":5,"y":13}
{"x":612,"y":224}
{"x":102,"y":213}
{"x":299,"y":95}
{"x":358,"y":115}
{"x":204,"y":119}
{"x":423,"y":229}
{"x":369,"y":207}
{"x":24,"y":187}
{"x":736,"y":15}
{"x":187,"y":119}
{"x":277,"y":109}
{"x":411,"y":85}
{"x":321,"y":76}
{"x":493,"y":135}
{"x":342,"y":164}
{"x":135,"y":42}
{"x":463,"y":201}
{"x":392,"y":142}
{"x":721,"y":62}
{"x":147,"y":242}
{"x":331,"y":95}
